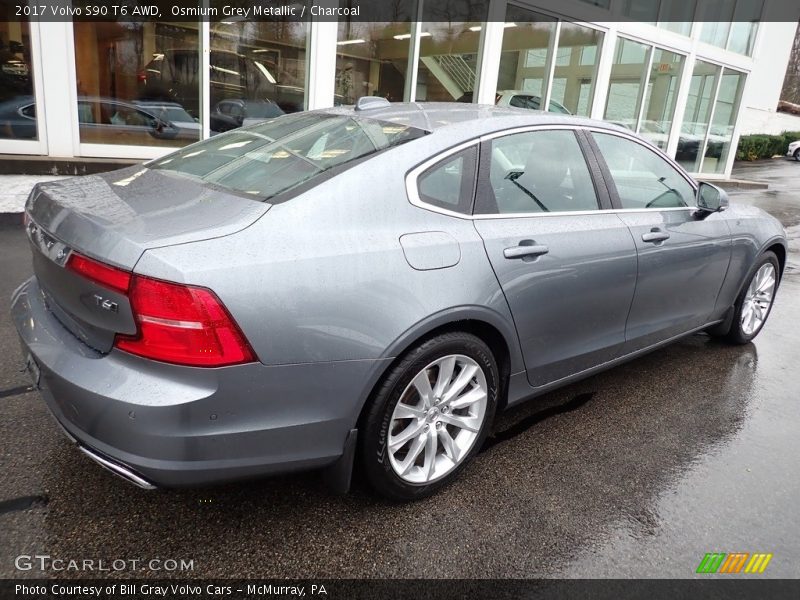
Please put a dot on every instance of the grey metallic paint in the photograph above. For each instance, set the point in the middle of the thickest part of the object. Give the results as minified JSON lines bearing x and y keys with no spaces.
{"x":333,"y":284}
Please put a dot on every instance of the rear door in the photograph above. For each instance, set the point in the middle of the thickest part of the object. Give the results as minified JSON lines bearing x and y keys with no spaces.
{"x":567,"y":267}
{"x":682,"y":258}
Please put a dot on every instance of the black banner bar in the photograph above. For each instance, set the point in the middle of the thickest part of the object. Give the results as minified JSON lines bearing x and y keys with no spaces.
{"x":389,"y":10}
{"x":733,"y":588}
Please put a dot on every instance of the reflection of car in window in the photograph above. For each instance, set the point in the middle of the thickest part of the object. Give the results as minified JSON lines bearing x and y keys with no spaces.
{"x":173,"y":75}
{"x":520,"y":99}
{"x":18,"y":118}
{"x":106,"y":120}
{"x":237,"y":112}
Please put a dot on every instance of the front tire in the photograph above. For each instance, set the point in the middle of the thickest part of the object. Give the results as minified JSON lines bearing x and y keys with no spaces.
{"x":430,"y":416}
{"x":754,"y":303}
{"x":797,"y":154}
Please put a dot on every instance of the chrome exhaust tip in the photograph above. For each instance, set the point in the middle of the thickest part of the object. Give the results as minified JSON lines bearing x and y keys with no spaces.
{"x":117,"y":469}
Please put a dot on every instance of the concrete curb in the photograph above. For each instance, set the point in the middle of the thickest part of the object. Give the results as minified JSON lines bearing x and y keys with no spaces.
{"x":739,"y":184}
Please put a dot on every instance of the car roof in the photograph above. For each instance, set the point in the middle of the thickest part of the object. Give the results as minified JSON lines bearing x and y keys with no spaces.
{"x":483,"y":118}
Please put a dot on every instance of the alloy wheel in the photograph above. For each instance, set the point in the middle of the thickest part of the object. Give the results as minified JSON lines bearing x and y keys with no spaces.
{"x":758,"y":299}
{"x":437,"y":419}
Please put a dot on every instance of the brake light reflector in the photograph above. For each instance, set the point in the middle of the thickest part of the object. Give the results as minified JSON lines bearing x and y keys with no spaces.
{"x":102,"y":274}
{"x":184,"y":325}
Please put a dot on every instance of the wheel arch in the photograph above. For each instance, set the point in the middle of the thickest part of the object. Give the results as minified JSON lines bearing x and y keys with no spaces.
{"x":487,"y":325}
{"x":779,"y":249}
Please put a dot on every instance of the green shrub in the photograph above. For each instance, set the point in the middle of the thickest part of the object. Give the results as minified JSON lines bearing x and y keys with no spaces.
{"x":754,"y":147}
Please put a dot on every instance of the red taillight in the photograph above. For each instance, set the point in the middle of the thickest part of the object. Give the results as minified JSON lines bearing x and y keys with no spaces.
{"x":184,"y":325}
{"x":179,"y":324}
{"x":102,"y":274}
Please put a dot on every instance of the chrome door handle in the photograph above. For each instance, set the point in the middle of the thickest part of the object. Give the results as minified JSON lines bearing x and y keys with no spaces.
{"x":522,"y":251}
{"x":655,"y":236}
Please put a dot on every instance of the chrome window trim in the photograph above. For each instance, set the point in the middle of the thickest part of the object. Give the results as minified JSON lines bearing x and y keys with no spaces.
{"x":412,"y":189}
{"x":412,"y":176}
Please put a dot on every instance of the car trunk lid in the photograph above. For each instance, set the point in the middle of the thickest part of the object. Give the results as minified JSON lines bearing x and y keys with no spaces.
{"x":114,"y":218}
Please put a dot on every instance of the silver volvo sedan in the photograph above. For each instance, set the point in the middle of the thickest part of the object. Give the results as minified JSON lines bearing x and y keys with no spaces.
{"x":368,"y":285}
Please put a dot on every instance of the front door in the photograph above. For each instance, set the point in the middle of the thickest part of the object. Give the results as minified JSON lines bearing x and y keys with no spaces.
{"x":683,"y":258}
{"x":567,"y":268}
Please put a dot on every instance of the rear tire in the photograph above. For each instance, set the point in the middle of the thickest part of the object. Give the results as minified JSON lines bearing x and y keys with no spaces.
{"x":754,"y":303}
{"x":429,"y":417}
{"x":797,"y":154}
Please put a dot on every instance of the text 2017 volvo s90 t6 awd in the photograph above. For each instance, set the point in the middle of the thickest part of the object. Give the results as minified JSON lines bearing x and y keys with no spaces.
{"x":368,"y":284}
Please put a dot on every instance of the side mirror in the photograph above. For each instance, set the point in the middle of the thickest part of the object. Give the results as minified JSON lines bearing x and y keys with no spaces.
{"x":711,"y":199}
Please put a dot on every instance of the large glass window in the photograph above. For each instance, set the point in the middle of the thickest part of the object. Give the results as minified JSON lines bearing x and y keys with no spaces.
{"x":720,"y":134}
{"x":527,"y":38}
{"x":372,"y":57}
{"x":730,"y":24}
{"x":697,"y":116}
{"x":625,"y":86}
{"x":448,"y":53}
{"x":574,"y":76}
{"x":523,"y":79}
{"x":540,"y":171}
{"x":137,"y":83}
{"x":643,"y":179}
{"x":660,"y":97}
{"x":17,"y":103}
{"x":673,"y":15}
{"x":257,"y":71}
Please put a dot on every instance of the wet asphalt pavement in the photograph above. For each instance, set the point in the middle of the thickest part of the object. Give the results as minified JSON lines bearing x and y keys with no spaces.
{"x":636,"y":472}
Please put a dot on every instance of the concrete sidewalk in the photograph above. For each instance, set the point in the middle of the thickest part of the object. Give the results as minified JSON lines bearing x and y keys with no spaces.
{"x":14,"y":190}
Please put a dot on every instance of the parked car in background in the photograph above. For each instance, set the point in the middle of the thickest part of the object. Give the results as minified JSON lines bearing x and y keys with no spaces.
{"x":173,"y":74}
{"x":173,"y":113}
{"x":238,"y":112}
{"x":523,"y":99}
{"x":794,"y":150}
{"x":18,"y":118}
{"x":348,"y":284}
{"x":653,"y":131}
{"x":520,"y":99}
{"x":106,"y":120}
{"x":692,"y":138}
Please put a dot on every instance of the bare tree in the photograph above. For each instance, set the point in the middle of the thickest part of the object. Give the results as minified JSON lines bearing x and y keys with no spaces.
{"x":791,"y":84}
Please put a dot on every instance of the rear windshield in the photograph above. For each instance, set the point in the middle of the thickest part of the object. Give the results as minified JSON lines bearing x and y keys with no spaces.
{"x":282,"y":153}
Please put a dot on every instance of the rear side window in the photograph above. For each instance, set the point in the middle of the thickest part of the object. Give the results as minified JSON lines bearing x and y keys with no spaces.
{"x":449,"y":183}
{"x":643,"y":179}
{"x":282,"y":153}
{"x":536,"y":172}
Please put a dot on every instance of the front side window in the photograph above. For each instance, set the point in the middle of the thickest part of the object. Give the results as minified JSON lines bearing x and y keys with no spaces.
{"x":643,"y":179}
{"x":536,"y":172}
{"x":275,"y":156}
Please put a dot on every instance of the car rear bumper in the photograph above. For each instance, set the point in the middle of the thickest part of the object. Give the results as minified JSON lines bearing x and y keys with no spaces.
{"x":170,"y":426}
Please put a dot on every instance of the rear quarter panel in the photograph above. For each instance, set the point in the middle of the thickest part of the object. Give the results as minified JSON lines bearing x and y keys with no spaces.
{"x":323,"y":276}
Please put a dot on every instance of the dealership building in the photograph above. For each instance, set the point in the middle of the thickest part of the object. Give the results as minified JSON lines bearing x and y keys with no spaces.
{"x":689,"y":75}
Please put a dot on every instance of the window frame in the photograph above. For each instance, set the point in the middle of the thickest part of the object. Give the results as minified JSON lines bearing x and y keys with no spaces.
{"x":466,"y":195}
{"x":601,"y":175}
{"x":593,"y":168}
{"x":609,"y":179}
